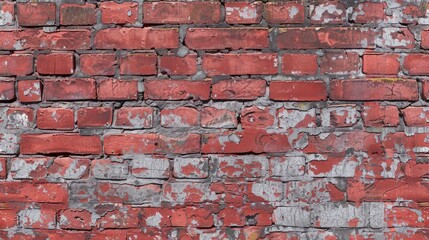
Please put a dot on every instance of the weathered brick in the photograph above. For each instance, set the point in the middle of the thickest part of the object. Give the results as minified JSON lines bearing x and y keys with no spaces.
{"x":243,"y":12}
{"x":180,"y":117}
{"x":128,"y":194}
{"x":292,"y":216}
{"x":134,"y":117}
{"x":369,"y":12}
{"x":340,"y":116}
{"x":3,"y":169}
{"x":191,"y":168}
{"x":328,"y":13}
{"x":7,"y":89}
{"x":182,"y":12}
{"x":284,"y":12}
{"x":75,"y":219}
{"x":35,"y":218}
{"x":106,"y":169}
{"x":30,"y":91}
{"x":20,"y":118}
{"x":150,"y":167}
{"x":217,"y":118}
{"x":415,"y":116}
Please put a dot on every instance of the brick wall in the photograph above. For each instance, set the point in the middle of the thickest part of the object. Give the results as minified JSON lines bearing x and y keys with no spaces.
{"x":214,"y":120}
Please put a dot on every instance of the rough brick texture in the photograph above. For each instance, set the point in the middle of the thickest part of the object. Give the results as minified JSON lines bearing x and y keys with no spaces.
{"x":209,"y":119}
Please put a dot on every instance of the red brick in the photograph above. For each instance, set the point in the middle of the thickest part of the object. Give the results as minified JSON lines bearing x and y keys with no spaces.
{"x":55,"y":64}
{"x":8,"y":9}
{"x":138,"y":64}
{"x":180,"y":117}
{"x":16,"y":65}
{"x":18,"y":118}
{"x":226,"y":38}
{"x":425,"y":39}
{"x":212,"y":117}
{"x":182,"y":12}
{"x":174,"y":65}
{"x":75,"y":219}
{"x":243,"y":12}
{"x":36,"y":14}
{"x":176,"y":89}
{"x":30,"y":91}
{"x":3,"y":172}
{"x":94,"y":117}
{"x":47,"y":219}
{"x":412,"y":144}
{"x":284,"y":12}
{"x":336,"y":37}
{"x":60,"y":143}
{"x":328,"y":13}
{"x":136,"y":38}
{"x":9,"y":218}
{"x":134,"y":117}
{"x":298,"y":91}
{"x":72,"y":89}
{"x":369,"y":12}
{"x":119,"y":13}
{"x":376,"y":115}
{"x":183,"y":144}
{"x":116,"y":89}
{"x":55,"y":118}
{"x":371,"y":90}
{"x":130,"y":143}
{"x":385,"y":64}
{"x":249,"y":141}
{"x":425,"y":89}
{"x":340,"y":63}
{"x":256,"y":117}
{"x":239,"y":89}
{"x":98,"y":64}
{"x":416,"y":64}
{"x":240,"y":64}
{"x":416,"y":116}
{"x":29,"y":192}
{"x":77,"y":14}
{"x":416,"y":169}
{"x":300,"y":64}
